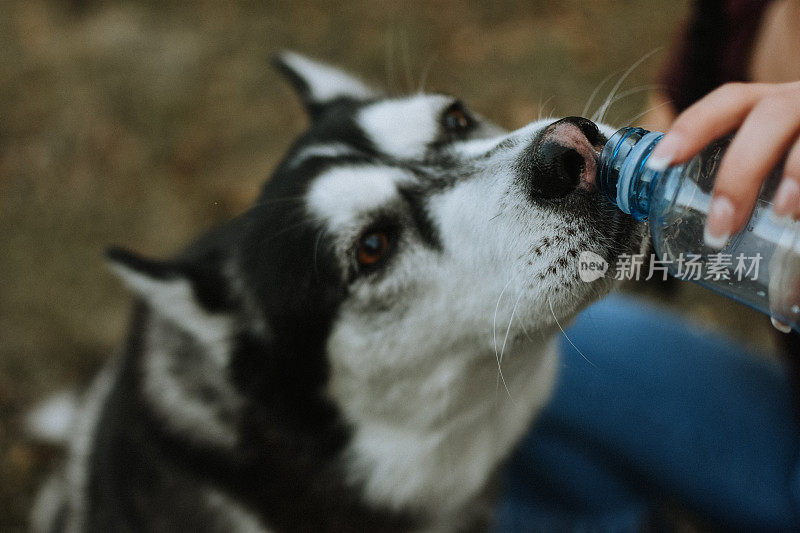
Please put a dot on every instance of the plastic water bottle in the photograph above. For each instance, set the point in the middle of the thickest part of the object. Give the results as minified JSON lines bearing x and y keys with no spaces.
{"x":759,"y":266}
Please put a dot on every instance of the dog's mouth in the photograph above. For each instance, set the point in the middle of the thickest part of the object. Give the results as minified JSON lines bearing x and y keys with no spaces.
{"x":568,"y":153}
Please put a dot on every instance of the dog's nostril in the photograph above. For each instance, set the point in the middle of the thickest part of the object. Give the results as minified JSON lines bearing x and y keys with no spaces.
{"x":572,"y":166}
{"x":555,"y":170}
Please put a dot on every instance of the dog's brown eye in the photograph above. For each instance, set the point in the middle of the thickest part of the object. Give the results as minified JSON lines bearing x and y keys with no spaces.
{"x":372,"y":248}
{"x":456,"y":119}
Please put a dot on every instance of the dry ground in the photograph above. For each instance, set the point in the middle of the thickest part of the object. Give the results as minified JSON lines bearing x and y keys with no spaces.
{"x":144,"y":123}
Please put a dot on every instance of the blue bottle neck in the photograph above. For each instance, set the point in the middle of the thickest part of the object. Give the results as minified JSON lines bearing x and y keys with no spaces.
{"x":623,"y":177}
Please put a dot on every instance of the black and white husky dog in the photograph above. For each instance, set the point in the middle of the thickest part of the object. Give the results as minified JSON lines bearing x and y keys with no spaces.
{"x":363,"y":348}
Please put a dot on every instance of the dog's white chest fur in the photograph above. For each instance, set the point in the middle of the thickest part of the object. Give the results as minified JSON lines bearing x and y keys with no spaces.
{"x":429,"y":439}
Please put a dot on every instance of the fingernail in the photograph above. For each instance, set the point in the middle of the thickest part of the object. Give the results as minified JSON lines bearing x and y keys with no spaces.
{"x":780,"y":326}
{"x":720,"y":222}
{"x":663,"y":153}
{"x":787,"y":198}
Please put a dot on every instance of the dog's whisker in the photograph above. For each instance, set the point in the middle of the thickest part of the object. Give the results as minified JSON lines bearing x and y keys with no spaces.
{"x":550,"y":303}
{"x":283,"y":230}
{"x":542,"y":104}
{"x":390,"y":89}
{"x":601,"y":113}
{"x":497,"y":215}
{"x":510,"y":322}
{"x":646,"y":111}
{"x":406,"y":57}
{"x":424,"y":76}
{"x":316,"y":250}
{"x":630,"y":92}
{"x":524,"y":329}
{"x":494,"y":334}
{"x":594,"y":94}
{"x":635,"y":90}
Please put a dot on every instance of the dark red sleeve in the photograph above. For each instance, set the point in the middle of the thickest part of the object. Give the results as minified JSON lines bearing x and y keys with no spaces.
{"x":712,"y":47}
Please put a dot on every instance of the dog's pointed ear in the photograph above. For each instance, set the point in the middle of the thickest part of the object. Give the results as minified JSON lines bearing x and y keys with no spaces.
{"x":174,"y":291}
{"x":319,"y":84}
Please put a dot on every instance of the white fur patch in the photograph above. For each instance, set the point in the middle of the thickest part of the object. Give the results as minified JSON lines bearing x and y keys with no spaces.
{"x":342,"y":194}
{"x":230,"y":515}
{"x":325,"y":83}
{"x":431,"y":441}
{"x":520,"y":137}
{"x":47,"y":505}
{"x":172,"y":392}
{"x":52,"y":420}
{"x":329,"y":150}
{"x":403,"y":128}
{"x":174,"y":300}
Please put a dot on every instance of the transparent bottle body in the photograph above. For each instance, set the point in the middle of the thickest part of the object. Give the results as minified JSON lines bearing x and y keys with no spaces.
{"x":759,"y":266}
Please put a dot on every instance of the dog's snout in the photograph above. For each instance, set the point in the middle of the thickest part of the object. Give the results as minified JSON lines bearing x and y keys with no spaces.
{"x":562,"y":158}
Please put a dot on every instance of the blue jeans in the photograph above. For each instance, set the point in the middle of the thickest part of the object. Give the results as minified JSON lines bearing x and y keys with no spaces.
{"x":657,"y":413}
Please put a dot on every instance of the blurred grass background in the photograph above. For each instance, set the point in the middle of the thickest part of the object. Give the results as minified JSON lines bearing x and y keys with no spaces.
{"x":143,"y":123}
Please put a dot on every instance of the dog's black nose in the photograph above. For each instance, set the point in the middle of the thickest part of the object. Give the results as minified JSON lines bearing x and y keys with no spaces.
{"x":561,"y":158}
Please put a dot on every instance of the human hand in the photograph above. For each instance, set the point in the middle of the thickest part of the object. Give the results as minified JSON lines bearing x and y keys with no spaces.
{"x":767,"y":116}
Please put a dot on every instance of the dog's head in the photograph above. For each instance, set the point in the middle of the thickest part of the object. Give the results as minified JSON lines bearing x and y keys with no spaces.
{"x":415,"y":221}
{"x":404,"y":251}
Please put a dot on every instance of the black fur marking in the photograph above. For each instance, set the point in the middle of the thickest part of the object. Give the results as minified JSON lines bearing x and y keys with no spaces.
{"x":292,"y":77}
{"x":334,"y":124}
{"x":415,"y":199}
{"x":160,"y":270}
{"x":204,"y":263}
